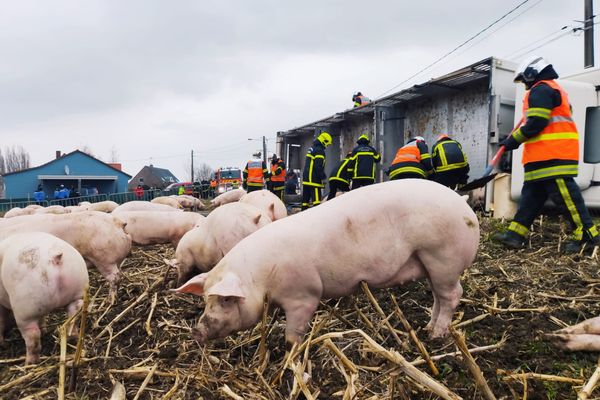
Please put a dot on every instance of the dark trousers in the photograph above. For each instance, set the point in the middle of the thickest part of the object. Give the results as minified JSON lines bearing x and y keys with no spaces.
{"x":563,"y":192}
{"x":356,"y":183}
{"x":278,"y":191}
{"x":334,"y":186}
{"x":310,"y":193}
{"x":451,"y":178}
{"x":253,"y":188}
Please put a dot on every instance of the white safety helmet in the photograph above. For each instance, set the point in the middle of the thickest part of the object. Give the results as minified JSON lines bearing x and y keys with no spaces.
{"x":529,"y":69}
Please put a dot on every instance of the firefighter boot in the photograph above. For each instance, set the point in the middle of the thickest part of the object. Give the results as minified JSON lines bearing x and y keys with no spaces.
{"x":509,"y":239}
{"x":574,"y":246}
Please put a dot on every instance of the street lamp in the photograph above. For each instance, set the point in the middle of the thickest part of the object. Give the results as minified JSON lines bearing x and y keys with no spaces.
{"x":264,"y":141}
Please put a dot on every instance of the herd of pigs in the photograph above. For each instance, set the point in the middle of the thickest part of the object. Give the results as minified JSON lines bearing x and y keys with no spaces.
{"x":248,"y":249}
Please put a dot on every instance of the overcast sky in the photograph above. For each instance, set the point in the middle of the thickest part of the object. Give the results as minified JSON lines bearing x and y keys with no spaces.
{"x":155,"y":79}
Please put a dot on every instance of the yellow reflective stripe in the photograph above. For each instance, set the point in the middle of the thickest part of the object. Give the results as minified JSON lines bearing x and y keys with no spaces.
{"x":564,"y":192}
{"x":319,"y":156}
{"x":539,"y":112}
{"x":443,"y":168}
{"x":310,"y":169}
{"x":518,"y":136}
{"x":442,"y":153}
{"x":425,"y":156}
{"x":554,"y":136}
{"x":408,"y":169}
{"x":560,"y":118}
{"x":593,"y":231}
{"x":551,"y":171}
{"x":518,"y":228}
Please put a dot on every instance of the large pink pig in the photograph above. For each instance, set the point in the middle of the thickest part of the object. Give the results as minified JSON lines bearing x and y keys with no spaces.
{"x":102,"y":206}
{"x":267,"y":201}
{"x":168,"y":201}
{"x":228,"y":197}
{"x":151,"y":227}
{"x":39,"y":273}
{"x":201,"y":248}
{"x":139,"y":205}
{"x":385,"y":234}
{"x":99,"y":237}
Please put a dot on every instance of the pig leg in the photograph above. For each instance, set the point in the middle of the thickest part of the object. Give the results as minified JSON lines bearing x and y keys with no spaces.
{"x":448,"y":297}
{"x":589,"y":326}
{"x":435,"y":309}
{"x":3,"y":323}
{"x":298,"y":314}
{"x":113,"y":276}
{"x":72,"y":309}
{"x":577,"y":342}
{"x":184,"y":273}
{"x":30,"y":331}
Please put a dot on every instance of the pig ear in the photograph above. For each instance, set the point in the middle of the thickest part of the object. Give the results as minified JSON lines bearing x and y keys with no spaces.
{"x":272,"y":211}
{"x":256,"y":219}
{"x":57,"y":258}
{"x":229,"y":286}
{"x":194,"y":286}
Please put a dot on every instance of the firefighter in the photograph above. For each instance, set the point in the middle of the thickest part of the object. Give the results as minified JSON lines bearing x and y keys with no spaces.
{"x":364,"y":157}
{"x":340,"y":176}
{"x":359,"y":99}
{"x":313,"y":174}
{"x":412,"y":161}
{"x":449,"y":162}
{"x":550,"y":158}
{"x":213,"y":187}
{"x":277,"y":176}
{"x":255,"y":174}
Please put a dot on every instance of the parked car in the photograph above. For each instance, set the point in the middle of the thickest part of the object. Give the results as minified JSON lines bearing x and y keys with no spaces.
{"x":173,"y":188}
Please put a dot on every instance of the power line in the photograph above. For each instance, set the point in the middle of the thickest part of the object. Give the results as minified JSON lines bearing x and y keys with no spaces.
{"x":456,"y":48}
{"x":510,"y":55}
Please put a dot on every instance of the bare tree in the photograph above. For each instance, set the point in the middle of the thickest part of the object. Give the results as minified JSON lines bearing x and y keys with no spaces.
{"x":202,"y":171}
{"x":87,"y":150}
{"x":14,"y":159}
{"x":114,"y":155}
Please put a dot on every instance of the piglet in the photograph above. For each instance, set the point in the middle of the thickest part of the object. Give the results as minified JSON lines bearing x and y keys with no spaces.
{"x":384,"y":234}
{"x":39,"y":273}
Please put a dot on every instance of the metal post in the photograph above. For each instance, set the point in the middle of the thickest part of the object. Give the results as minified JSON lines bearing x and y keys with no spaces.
{"x":265,"y":150}
{"x":588,"y":35}
{"x":192,"y":172}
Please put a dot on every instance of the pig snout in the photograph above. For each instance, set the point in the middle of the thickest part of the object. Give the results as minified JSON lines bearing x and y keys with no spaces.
{"x":200,"y":334}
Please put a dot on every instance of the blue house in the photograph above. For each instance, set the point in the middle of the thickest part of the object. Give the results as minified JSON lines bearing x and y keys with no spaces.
{"x":75,"y":170}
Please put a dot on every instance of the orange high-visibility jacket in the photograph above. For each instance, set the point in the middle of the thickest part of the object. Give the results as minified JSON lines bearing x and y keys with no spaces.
{"x":559,"y":140}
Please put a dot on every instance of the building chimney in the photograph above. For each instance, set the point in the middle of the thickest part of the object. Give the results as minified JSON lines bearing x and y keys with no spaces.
{"x":57,"y":154}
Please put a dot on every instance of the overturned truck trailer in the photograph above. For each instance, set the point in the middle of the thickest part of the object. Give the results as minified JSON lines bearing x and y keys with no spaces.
{"x":476,"y":106}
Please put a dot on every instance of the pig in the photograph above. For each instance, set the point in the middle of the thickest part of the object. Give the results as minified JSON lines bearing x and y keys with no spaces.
{"x":167,"y":201}
{"x":84,"y":204}
{"x":102,"y":206}
{"x":143,"y":206}
{"x":39,"y":273}
{"x":228,"y":197}
{"x":18,"y":211}
{"x":202,"y":247}
{"x":33,"y":206}
{"x":384,"y":234}
{"x":73,"y":209}
{"x":52,"y":210}
{"x":188,"y":202}
{"x":584,"y":336}
{"x":265,"y":200}
{"x":99,"y":237}
{"x":150,"y":227}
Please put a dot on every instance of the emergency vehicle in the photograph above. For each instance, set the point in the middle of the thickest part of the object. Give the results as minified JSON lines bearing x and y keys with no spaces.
{"x":227,"y":179}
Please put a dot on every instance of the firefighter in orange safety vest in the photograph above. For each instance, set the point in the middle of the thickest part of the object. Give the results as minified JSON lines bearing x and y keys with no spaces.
{"x":278,"y":174}
{"x":412,"y":161}
{"x":255,"y":174}
{"x":550,"y":159}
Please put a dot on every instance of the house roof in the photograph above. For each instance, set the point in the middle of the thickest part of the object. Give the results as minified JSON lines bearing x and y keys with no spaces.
{"x":162,"y":173}
{"x":452,"y":82}
{"x":67,"y":155}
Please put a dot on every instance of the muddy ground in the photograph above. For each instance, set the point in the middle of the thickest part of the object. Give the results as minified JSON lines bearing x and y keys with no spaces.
{"x":549,"y":291}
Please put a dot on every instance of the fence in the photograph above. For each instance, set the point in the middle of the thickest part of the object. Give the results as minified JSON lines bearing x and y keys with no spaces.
{"x":73,"y":201}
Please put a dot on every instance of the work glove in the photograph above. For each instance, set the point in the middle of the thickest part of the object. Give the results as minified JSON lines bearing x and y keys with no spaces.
{"x":510,"y":143}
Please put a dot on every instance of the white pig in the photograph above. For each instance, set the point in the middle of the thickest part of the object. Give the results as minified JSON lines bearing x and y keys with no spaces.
{"x":151,"y":227}
{"x":18,"y":211}
{"x":584,"y":336}
{"x":266,"y":200}
{"x":106,"y":206}
{"x":99,"y":237}
{"x":188,"y":202}
{"x":167,"y":201}
{"x":203,"y":247}
{"x":139,"y":205}
{"x":384,"y":234}
{"x":227,"y":197}
{"x":52,"y":210}
{"x":39,"y":273}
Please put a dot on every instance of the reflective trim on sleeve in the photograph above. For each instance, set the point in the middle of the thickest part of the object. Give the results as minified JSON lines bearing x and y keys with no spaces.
{"x":538,"y":112}
{"x":518,"y":228}
{"x":518,"y":136}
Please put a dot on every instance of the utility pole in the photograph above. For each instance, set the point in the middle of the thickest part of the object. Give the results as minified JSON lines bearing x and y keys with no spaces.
{"x":192,"y":172}
{"x":588,"y":35}
{"x":264,"y":150}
